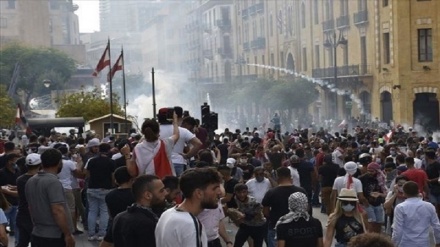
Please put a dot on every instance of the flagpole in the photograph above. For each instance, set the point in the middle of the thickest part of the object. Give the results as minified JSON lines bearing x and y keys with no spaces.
{"x":111,"y":88}
{"x":154,"y":93}
{"x":123,"y":85}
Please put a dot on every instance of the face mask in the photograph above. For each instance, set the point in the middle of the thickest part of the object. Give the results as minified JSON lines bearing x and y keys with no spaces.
{"x":243,"y":161}
{"x":348,"y":207}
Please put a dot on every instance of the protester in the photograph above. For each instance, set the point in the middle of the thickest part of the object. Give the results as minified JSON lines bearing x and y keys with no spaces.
{"x":346,"y":220}
{"x":178,"y":226}
{"x":135,"y":227}
{"x":259,"y":185}
{"x":394,"y":198}
{"x":413,"y":219}
{"x":4,"y":205}
{"x":370,"y":240}
{"x":290,"y":227}
{"x":47,"y":205}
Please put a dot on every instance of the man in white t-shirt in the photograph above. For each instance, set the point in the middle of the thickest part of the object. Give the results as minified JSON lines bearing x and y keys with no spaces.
{"x":211,"y":220}
{"x":294,"y":162}
{"x":259,"y":185}
{"x":178,"y":157}
{"x":178,"y":226}
{"x":339,"y":154}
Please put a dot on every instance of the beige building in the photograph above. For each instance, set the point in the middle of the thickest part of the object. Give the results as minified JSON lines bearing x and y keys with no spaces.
{"x":373,"y":58}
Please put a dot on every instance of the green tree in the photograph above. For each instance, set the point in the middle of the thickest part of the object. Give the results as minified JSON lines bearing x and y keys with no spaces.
{"x":7,"y":112}
{"x":88,"y":105}
{"x":36,"y":65}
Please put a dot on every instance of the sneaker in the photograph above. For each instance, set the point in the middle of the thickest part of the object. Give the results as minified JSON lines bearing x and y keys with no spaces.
{"x":100,"y":238}
{"x":92,"y":238}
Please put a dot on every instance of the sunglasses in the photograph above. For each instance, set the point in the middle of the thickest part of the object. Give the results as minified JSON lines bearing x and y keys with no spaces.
{"x":347,"y":202}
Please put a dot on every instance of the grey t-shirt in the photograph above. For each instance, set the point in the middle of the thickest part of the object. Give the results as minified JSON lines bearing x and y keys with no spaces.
{"x":43,"y":190}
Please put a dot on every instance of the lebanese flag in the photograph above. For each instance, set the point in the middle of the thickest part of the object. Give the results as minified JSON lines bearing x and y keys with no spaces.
{"x":104,"y":61}
{"x":388,"y":136}
{"x":119,"y":65}
{"x":20,"y":119}
{"x":342,"y":124}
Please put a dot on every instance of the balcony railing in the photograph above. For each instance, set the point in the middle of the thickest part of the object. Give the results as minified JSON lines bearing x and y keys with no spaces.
{"x":246,"y":46}
{"x":245,"y":13}
{"x":225,"y":52}
{"x":224,"y":24}
{"x":207,"y":53}
{"x":260,"y":7}
{"x":328,"y":25}
{"x":360,"y":17}
{"x":258,"y":43}
{"x":207,"y":28}
{"x":343,"y":21}
{"x":252,"y":10}
{"x":342,"y":71}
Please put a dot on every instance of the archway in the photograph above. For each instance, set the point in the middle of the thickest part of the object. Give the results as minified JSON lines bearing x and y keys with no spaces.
{"x":426,"y":111}
{"x":365,"y":98}
{"x":290,"y":62}
{"x":386,"y":103}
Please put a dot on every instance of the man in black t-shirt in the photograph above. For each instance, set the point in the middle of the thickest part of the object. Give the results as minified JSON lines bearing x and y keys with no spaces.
{"x":248,"y":169}
{"x":118,"y":200}
{"x":433,"y":172}
{"x":327,"y":174}
{"x":100,"y":173}
{"x":229,"y":183}
{"x":275,"y":202}
{"x":223,"y":151}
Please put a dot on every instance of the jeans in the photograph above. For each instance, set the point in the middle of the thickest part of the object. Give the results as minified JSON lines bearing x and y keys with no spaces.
{"x":257,"y":233}
{"x":11,"y":215}
{"x":315,"y":197}
{"x":24,"y":226}
{"x":179,"y":168}
{"x":97,"y":206}
{"x":271,"y":241}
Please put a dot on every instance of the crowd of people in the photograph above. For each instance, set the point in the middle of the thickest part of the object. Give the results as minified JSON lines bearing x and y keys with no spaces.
{"x":173,"y":184}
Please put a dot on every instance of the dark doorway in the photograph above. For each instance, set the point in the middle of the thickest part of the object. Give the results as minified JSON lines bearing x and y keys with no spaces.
{"x":290,"y":63}
{"x":426,"y":111}
{"x":228,"y":72}
{"x":366,"y":105}
{"x":386,"y":104}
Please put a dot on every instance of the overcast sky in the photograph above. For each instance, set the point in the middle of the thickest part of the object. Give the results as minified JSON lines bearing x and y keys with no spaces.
{"x":88,"y":14}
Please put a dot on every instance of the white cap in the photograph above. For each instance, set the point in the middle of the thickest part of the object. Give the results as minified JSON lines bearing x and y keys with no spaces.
{"x":33,"y":159}
{"x":230,"y":162}
{"x":93,"y":143}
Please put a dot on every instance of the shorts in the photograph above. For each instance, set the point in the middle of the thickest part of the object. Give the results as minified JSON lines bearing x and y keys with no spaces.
{"x":70,"y":199}
{"x":375,"y":214}
{"x":434,"y":199}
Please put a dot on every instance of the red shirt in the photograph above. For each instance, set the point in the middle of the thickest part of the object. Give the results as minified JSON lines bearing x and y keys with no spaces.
{"x":418,"y":176}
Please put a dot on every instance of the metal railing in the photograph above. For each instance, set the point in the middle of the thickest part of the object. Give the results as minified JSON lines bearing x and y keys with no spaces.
{"x":260,"y":7}
{"x":360,"y":17}
{"x":343,"y":21}
{"x":224,"y":23}
{"x":258,"y":43}
{"x":342,"y":71}
{"x":328,"y":25}
{"x":246,"y":46}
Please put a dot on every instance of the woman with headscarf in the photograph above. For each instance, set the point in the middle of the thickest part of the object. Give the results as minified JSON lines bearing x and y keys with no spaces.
{"x":346,"y":221}
{"x":298,"y":228}
{"x":375,"y":190}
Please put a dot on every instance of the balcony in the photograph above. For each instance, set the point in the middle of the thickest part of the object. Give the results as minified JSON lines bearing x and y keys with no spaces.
{"x":207,"y":28}
{"x":224,"y":24}
{"x":342,"y":71}
{"x":246,"y":46}
{"x":225,"y":52}
{"x":207,"y":53}
{"x":343,"y":21}
{"x":360,"y":17}
{"x":244,"y":13}
{"x":260,"y":7}
{"x":252,"y":10}
{"x":328,"y":25}
{"x":258,"y":43}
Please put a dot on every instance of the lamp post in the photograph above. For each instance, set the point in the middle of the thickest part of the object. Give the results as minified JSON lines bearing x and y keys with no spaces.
{"x":333,"y":42}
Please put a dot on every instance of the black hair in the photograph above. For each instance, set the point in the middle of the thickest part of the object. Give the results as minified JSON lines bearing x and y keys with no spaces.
{"x":283,"y":172}
{"x":150,"y":129}
{"x":390,"y":165}
{"x":401,"y":177}
{"x":240,"y":187}
{"x":171,"y":182}
{"x":205,"y":155}
{"x":411,"y":189}
{"x":104,"y":148}
{"x":224,"y":168}
{"x":202,"y":164}
{"x":50,"y":157}
{"x":199,"y":178}
{"x":300,"y":152}
{"x":61,"y":147}
{"x":190,"y":121}
{"x":9,"y":146}
{"x":141,"y":184}
{"x":122,"y":175}
{"x":409,"y":160}
{"x":11,"y":156}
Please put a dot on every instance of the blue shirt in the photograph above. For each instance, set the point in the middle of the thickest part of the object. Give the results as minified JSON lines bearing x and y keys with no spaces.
{"x":412,"y":219}
{"x":3,"y":220}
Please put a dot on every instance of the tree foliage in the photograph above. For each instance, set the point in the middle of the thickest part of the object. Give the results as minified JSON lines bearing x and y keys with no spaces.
{"x":36,"y":65}
{"x":7,"y":112}
{"x":88,"y":105}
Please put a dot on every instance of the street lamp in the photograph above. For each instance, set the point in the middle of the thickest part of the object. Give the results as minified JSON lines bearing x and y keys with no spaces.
{"x":46,"y":83}
{"x":333,"y":42}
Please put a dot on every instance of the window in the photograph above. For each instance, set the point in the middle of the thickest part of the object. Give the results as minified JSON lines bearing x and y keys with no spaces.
{"x":425,"y":45}
{"x":304,"y":56}
{"x":362,"y":5}
{"x":330,"y":57}
{"x":344,"y":7}
{"x":272,"y":62}
{"x":386,"y":48}
{"x":384,"y":3}
{"x":3,"y":22}
{"x":262,"y":27}
{"x":254,"y":30}
{"x":256,"y":62}
{"x":303,"y":15}
{"x":11,"y":4}
{"x":271,"y":25}
{"x":345,"y":54}
{"x":282,"y":59}
{"x":363,"y":55}
{"x":280,"y":21}
{"x":239,"y":34}
{"x":317,"y":56}
{"x":316,"y":16}
{"x":263,"y":61}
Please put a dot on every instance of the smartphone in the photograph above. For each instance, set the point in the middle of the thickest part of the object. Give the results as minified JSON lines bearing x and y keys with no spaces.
{"x":170,"y":113}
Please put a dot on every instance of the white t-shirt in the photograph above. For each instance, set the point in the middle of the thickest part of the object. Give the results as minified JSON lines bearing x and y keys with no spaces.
{"x":210,"y":219}
{"x":295,"y":176}
{"x":341,"y":182}
{"x":185,"y":136}
{"x":145,"y":152}
{"x":65,"y":176}
{"x":177,"y":229}
{"x":116,"y":156}
{"x":335,"y":158}
{"x":258,"y":189}
{"x":376,"y":150}
{"x":418,"y":163}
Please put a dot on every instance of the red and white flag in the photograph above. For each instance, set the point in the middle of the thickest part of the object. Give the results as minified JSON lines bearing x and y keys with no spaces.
{"x":20,"y":119}
{"x":119,"y":65}
{"x":343,"y":124}
{"x":388,"y":136}
{"x":104,"y":61}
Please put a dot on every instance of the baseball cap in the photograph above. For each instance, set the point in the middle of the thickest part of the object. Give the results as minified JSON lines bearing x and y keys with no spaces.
{"x":93,"y":143}
{"x":33,"y":159}
{"x":230,"y":162}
